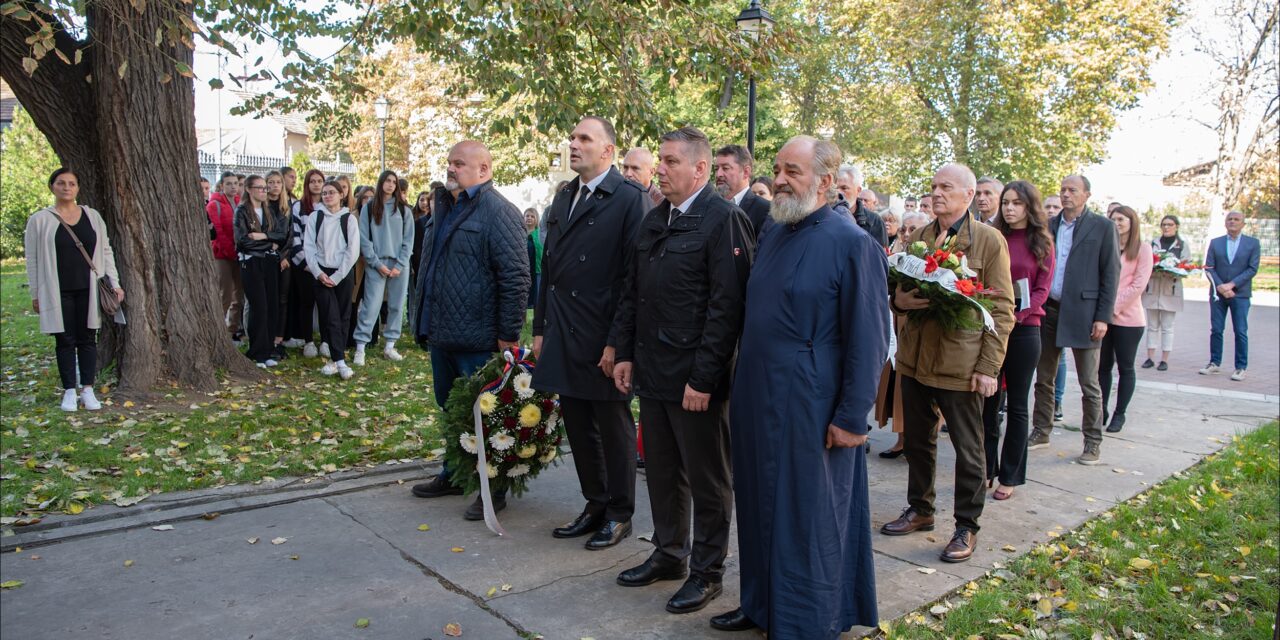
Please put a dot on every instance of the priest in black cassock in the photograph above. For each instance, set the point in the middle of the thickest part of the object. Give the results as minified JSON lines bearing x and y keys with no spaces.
{"x":815,"y":339}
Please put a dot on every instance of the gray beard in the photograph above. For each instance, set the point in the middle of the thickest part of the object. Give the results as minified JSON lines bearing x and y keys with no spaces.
{"x":724,"y":191}
{"x":451,"y":184}
{"x":789,"y":209}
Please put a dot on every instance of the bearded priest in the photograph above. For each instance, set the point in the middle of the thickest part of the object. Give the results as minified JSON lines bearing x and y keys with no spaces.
{"x":814,"y":341}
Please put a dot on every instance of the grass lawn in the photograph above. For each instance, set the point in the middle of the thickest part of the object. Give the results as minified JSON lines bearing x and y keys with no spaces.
{"x":1194,"y":557}
{"x":296,"y":423}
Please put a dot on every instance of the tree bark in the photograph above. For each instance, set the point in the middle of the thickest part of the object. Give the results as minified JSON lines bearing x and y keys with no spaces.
{"x":128,"y":131}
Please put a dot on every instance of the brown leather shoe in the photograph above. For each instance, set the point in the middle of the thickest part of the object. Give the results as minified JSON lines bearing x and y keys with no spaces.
{"x":961,"y":546}
{"x":908,"y":522}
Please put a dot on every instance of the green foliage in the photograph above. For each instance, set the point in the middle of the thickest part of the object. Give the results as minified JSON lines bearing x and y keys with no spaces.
{"x":24,"y":173}
{"x":1195,"y":557}
{"x":301,"y":163}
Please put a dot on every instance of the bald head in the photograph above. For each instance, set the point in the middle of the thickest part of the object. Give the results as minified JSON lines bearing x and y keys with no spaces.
{"x":638,"y":166}
{"x":953,"y":188}
{"x":470,"y":164}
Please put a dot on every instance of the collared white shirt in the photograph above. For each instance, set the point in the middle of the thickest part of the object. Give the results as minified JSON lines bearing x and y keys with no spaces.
{"x":1066,"y":236}
{"x":676,"y":212}
{"x":741,"y":194}
{"x":591,"y":186}
{"x":1232,"y":245}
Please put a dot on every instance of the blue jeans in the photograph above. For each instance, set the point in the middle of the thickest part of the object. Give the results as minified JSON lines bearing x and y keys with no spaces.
{"x":446,"y":367}
{"x":371,"y":304}
{"x":1060,"y":381}
{"x":1239,"y":308}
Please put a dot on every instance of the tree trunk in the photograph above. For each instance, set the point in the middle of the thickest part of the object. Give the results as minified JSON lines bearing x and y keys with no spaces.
{"x":123,"y":119}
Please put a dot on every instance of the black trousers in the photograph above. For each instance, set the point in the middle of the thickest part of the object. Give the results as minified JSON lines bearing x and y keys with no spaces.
{"x":261,"y":279}
{"x":963,"y":412}
{"x":602,"y":435}
{"x":687,"y":457}
{"x":282,"y":310}
{"x":302,"y":301}
{"x":334,"y":305}
{"x":77,"y":342}
{"x":1009,"y":462}
{"x":1119,"y":349}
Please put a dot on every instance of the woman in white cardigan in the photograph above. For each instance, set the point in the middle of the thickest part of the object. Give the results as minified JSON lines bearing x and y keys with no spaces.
{"x":64,"y":290}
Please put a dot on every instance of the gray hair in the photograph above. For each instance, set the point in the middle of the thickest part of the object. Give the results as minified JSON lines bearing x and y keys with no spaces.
{"x":986,"y":179}
{"x":851,"y":172}
{"x":889,"y":216}
{"x":915,"y":216}
{"x":695,"y":142}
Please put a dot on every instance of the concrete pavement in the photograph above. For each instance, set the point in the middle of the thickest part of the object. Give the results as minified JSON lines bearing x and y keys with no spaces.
{"x":352,"y":549}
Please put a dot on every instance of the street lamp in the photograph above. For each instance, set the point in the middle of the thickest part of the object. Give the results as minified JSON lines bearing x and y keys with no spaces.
{"x":382,"y":111}
{"x":751,"y":22}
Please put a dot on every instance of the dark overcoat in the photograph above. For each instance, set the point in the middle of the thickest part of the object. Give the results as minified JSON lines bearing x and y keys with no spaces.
{"x":1090,"y":281}
{"x":583,"y":265}
{"x":757,"y":210}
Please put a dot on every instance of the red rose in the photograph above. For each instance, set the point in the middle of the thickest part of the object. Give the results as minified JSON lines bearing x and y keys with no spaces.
{"x":548,"y":405}
{"x":526,"y":435}
{"x":930,"y":264}
{"x":507,"y":396}
{"x":509,"y":459}
{"x":966,"y":287}
{"x":510,"y":422}
{"x":1155,"y":259}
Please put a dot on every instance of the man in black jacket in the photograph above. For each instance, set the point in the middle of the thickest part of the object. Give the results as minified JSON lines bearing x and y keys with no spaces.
{"x":591,"y":227}
{"x":473,"y":285}
{"x":849,"y":187}
{"x":677,"y":332}
{"x":733,"y":183}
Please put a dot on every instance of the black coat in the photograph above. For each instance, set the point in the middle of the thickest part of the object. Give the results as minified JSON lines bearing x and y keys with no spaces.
{"x":757,"y":210}
{"x":681,"y":315}
{"x":1090,"y":280}
{"x":583,"y":266}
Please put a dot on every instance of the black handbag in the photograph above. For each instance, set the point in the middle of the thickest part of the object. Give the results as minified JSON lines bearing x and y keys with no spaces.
{"x":107,"y":299}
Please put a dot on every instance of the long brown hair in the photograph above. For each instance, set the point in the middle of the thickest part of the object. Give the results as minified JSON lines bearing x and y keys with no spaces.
{"x":349,"y":200}
{"x":1039,"y":240}
{"x":308,"y":205}
{"x":379,"y":200}
{"x":247,"y":204}
{"x":1134,"y":243}
{"x":281,"y":203}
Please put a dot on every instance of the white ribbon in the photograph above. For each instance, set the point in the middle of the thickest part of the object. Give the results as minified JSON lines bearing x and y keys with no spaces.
{"x":913,"y":267}
{"x":482,"y":466}
{"x":1170,"y":264}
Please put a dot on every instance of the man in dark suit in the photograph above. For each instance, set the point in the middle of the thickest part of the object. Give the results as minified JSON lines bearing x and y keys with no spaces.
{"x":591,"y":230}
{"x":733,"y":183}
{"x":678,"y":326}
{"x":849,"y":187}
{"x":1081,"y":300}
{"x":638,"y":167}
{"x":1231,"y":264}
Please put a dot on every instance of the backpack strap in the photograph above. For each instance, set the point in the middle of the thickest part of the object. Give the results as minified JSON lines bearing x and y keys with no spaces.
{"x":343,"y":221}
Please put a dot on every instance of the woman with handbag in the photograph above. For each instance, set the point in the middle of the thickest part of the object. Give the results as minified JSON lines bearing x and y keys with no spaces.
{"x":260,"y":233}
{"x":71,"y":272}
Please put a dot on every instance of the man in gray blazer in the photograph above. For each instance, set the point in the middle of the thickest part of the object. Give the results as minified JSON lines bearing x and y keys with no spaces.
{"x":1081,"y":300}
{"x":1231,"y":263}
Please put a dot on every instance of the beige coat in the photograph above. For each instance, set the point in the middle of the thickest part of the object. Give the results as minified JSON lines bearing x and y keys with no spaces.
{"x":42,"y":267}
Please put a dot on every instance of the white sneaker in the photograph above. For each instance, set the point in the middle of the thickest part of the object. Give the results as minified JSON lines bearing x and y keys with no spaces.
{"x":324,"y":349}
{"x":345,"y":371}
{"x":309,"y":350}
{"x":90,"y":401}
{"x":1210,"y":368}
{"x":359,"y":357}
{"x":392,"y":355}
{"x":270,"y":362}
{"x":262,"y":365}
{"x":293,"y":343}
{"x":329,"y":369}
{"x":1238,"y":375}
{"x":69,"y":401}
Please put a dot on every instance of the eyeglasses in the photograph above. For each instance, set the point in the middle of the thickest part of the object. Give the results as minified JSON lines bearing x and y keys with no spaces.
{"x":258,"y":187}
{"x":1168,"y":224}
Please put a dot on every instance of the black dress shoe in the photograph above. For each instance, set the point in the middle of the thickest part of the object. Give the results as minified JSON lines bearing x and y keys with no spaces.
{"x":650,"y":572}
{"x":735,"y":620}
{"x":439,"y":486}
{"x":1148,"y":364}
{"x":611,"y":532}
{"x":1117,"y":423}
{"x":891,"y":453}
{"x":582,"y":525}
{"x":1163,"y":366}
{"x":694,"y":595}
{"x":476,"y":510}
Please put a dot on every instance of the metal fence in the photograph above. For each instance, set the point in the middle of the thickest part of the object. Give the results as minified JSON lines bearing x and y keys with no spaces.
{"x":247,"y":164}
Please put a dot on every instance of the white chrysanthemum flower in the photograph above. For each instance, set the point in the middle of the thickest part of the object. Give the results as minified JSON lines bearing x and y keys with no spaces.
{"x":523,"y":384}
{"x":553,"y":420}
{"x":517,"y":471}
{"x":468,"y":442}
{"x":550,"y":455}
{"x":501,"y":441}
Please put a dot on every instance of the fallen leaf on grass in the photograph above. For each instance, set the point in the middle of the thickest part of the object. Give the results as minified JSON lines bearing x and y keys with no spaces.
{"x":163,"y":527}
{"x":1044,"y":608}
{"x":128,"y":563}
{"x":279,"y":540}
{"x":1140,"y":564}
{"x":362,"y":623}
{"x":11,"y":584}
{"x":453,"y":629}
{"x":1244,"y":551}
{"x":1008,"y":547}
{"x":75,"y":508}
{"x":253,"y":540}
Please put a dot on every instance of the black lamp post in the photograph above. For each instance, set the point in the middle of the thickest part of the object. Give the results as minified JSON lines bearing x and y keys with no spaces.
{"x":382,"y":111}
{"x":751,"y":22}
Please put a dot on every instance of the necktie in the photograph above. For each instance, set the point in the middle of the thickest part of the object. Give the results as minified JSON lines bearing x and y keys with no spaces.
{"x":586,"y":193}
{"x":675,"y":213}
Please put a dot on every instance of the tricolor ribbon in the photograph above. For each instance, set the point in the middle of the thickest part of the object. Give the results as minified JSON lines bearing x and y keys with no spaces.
{"x":517,"y":359}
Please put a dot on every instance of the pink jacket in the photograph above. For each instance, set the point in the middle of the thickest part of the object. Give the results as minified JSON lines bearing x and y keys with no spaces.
{"x":1134,"y":275}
